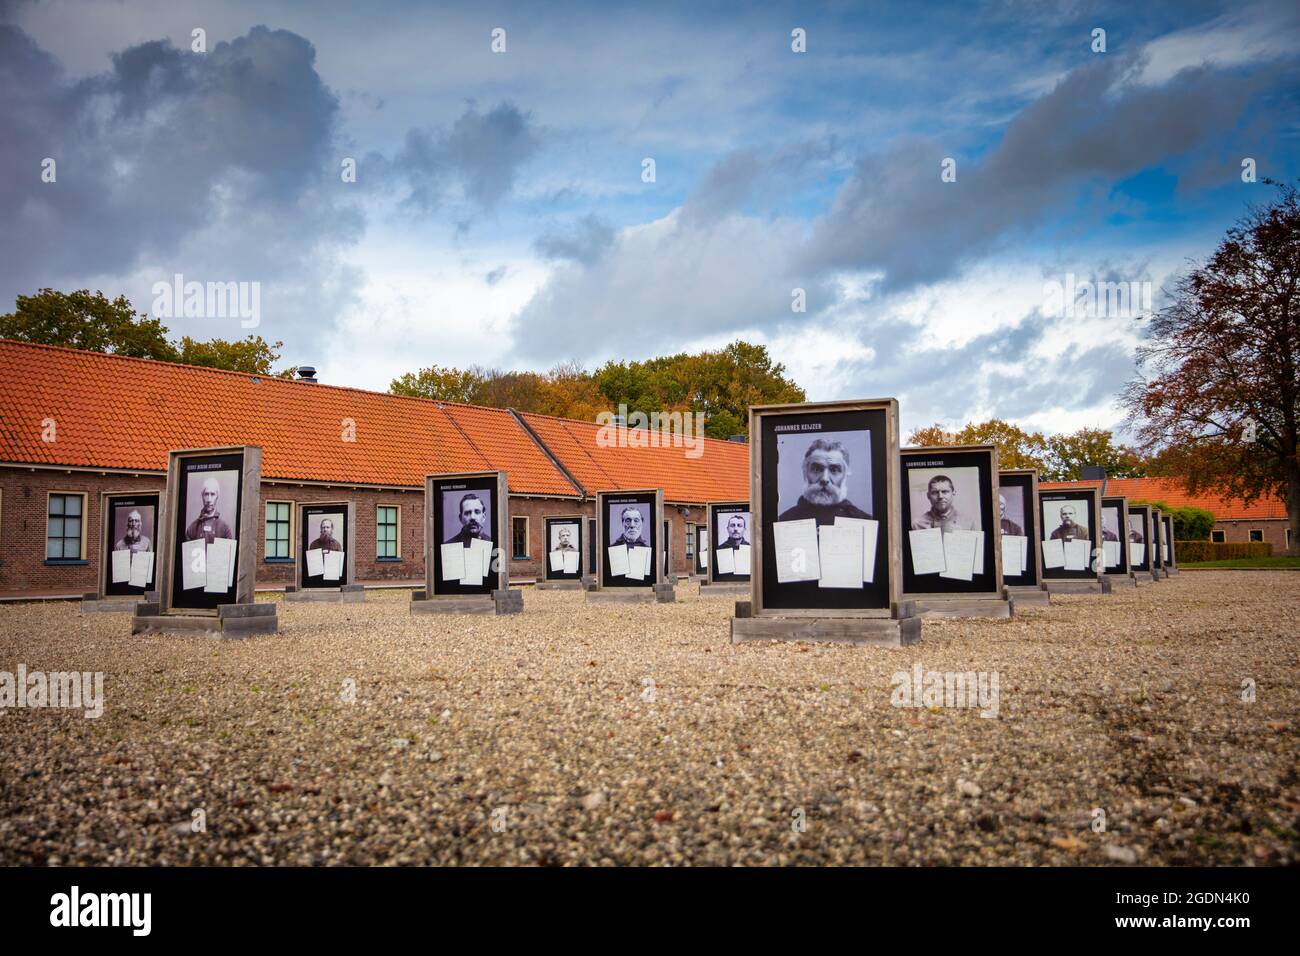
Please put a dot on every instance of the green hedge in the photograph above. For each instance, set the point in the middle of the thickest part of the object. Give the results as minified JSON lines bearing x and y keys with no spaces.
{"x":1187,"y":552}
{"x":1190,"y":524}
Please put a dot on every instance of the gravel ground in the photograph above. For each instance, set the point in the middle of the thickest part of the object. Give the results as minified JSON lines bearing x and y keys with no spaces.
{"x":638,"y":735}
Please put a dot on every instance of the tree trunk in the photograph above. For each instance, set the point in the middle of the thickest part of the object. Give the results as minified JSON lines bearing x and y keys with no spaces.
{"x":1293,"y":503}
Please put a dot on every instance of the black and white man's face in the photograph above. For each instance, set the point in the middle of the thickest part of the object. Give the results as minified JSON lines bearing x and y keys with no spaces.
{"x":1067,"y":517}
{"x":471,"y":516}
{"x":564,"y":536}
{"x":736,"y":528}
{"x":940,"y":494}
{"x":210,"y":495}
{"x":631,"y":525}
{"x":823,"y":474}
{"x":327,"y":528}
{"x":134,"y":525}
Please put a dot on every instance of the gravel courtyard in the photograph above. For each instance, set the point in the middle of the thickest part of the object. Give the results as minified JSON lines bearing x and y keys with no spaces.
{"x":592,"y":735}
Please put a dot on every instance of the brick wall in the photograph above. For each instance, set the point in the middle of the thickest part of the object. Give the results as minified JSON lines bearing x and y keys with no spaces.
{"x":1274,"y":531}
{"x":23,"y":497}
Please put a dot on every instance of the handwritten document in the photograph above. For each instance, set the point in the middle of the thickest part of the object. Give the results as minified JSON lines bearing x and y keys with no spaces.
{"x":316,"y":562}
{"x":141,"y":569}
{"x":1053,"y":553}
{"x":333,"y":565}
{"x":453,"y":561}
{"x":194,"y":564}
{"x":121,"y":567}
{"x":870,"y":530}
{"x":959,"y":554}
{"x":927,"y":551}
{"x":796,"y":550}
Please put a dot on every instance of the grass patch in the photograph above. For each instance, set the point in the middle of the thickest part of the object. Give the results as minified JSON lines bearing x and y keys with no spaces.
{"x":1276,"y":561}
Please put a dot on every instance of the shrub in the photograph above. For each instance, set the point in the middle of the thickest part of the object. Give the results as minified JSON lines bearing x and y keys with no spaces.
{"x":1193,"y":551}
{"x":1190,"y":524}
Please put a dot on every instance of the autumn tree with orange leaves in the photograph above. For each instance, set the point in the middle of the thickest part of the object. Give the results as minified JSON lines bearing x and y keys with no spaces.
{"x":1218,"y":392}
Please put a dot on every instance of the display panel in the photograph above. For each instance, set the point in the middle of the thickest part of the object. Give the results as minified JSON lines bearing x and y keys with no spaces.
{"x":131,"y":543}
{"x":322,"y":554}
{"x":1139,"y":524}
{"x":206,"y":511}
{"x":702,"y":549}
{"x":1018,"y":525}
{"x":948,"y":512}
{"x":564,"y":548}
{"x":824,"y":507}
{"x":466,"y":559}
{"x":1114,"y":534}
{"x":1070,"y":535}
{"x":732,"y":551}
{"x":632,"y":540}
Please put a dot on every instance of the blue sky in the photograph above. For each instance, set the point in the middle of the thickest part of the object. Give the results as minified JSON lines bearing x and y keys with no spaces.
{"x":500,"y":216}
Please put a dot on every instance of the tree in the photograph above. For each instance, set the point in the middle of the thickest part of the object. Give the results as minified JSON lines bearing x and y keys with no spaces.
{"x":253,"y":355}
{"x":1218,"y":390}
{"x":436,"y":382}
{"x":80,"y":320}
{"x":1068,"y":454}
{"x":1017,"y":448}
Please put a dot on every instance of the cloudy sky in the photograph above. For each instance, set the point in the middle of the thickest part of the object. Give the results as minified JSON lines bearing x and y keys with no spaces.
{"x":501,"y":213}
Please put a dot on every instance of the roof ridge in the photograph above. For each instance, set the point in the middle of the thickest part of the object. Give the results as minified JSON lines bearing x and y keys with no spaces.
{"x":583,"y":421}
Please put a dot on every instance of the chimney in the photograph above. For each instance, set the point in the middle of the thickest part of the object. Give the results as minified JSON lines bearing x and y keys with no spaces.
{"x":307,"y":373}
{"x":1093,"y":473}
{"x":743,"y":439}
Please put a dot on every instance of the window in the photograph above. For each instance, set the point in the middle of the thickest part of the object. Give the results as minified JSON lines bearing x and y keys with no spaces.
{"x":279,"y":537}
{"x":519,"y":537}
{"x":690,"y":541}
{"x":64,"y":527}
{"x":387,"y":526}
{"x":1256,"y":534}
{"x":1218,"y":537}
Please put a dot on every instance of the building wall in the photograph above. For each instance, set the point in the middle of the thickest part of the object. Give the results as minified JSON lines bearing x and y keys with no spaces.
{"x":1239,"y":531}
{"x":23,"y":498}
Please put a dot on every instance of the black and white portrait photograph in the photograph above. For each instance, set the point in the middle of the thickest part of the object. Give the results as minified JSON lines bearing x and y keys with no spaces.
{"x":1137,"y":528}
{"x":210,"y":505}
{"x":466,"y":515}
{"x":733,"y":529}
{"x":945,"y":498}
{"x":1110,"y":530}
{"x":629,"y":524}
{"x":564,"y":536}
{"x":1011,"y":509}
{"x":324,"y":531}
{"x":132,"y":527}
{"x":823,"y":475}
{"x":1066,"y":520}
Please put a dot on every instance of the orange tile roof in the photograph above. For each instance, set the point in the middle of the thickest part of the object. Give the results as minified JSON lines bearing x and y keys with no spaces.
{"x":116,"y":412}
{"x":1173,"y":492}
{"x":720,"y":473}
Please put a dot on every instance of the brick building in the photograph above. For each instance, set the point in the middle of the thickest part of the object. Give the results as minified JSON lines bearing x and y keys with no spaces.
{"x":1262,"y":520}
{"x":74,"y":424}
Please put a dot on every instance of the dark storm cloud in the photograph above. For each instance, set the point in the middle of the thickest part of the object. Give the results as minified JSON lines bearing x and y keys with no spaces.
{"x":584,"y":242}
{"x":155,"y":150}
{"x":481,"y":154}
{"x":1096,"y":126}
